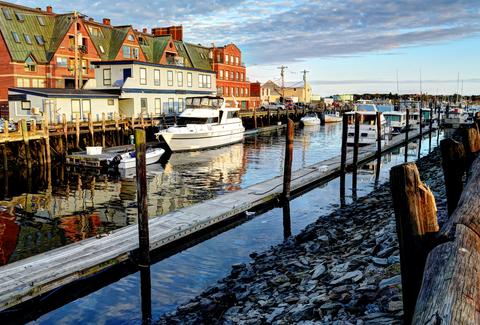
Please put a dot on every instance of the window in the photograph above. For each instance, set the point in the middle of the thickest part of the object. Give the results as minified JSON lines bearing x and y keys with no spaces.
{"x":226,"y":58}
{"x":95,"y":31}
{"x":171,"y":105}
{"x":236,"y":60}
{"x":181,"y":105}
{"x":102,"y":49}
{"x":27,"y":38}
{"x":135,"y":53}
{"x":26,"y":105}
{"x":6,"y":13}
{"x":41,"y":20}
{"x":30,"y":65}
{"x":107,"y":77}
{"x":143,"y":76}
{"x":20,"y":16}
{"x":85,"y":66}
{"x":23,"y":82}
{"x":126,"y":52}
{"x":221,"y":74}
{"x":61,"y":62}
{"x":156,"y":77}
{"x":218,"y":57}
{"x":75,"y":106}
{"x":39,"y":39}
{"x":110,"y":102}
{"x":231,"y":75}
{"x":237,"y":76}
{"x":241,"y":92}
{"x":209,"y":81}
{"x":246,"y":91}
{"x":180,"y":79}
{"x":86,"y":106}
{"x":158,"y":106}
{"x":241,"y":76}
{"x":170,"y":78}
{"x":143,"y":106}
{"x":130,"y":37}
{"x":15,"y":37}
{"x":189,"y":79}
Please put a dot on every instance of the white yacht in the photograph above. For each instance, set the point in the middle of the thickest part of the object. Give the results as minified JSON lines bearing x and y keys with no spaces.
{"x":396,"y":120}
{"x":205,"y":123}
{"x":457,"y":117}
{"x":414,"y":119}
{"x":310,"y":119}
{"x":368,"y":124}
{"x":332,"y":117}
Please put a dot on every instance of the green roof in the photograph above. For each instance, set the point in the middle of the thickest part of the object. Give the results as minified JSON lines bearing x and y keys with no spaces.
{"x":180,"y":46}
{"x":52,"y":32}
{"x":154,"y":47}
{"x":110,"y":39}
{"x":198,"y":56}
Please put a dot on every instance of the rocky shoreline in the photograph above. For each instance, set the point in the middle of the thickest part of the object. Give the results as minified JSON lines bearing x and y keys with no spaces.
{"x":342,"y":269}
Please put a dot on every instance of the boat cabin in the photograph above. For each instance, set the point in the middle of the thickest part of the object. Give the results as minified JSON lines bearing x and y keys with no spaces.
{"x":204,"y":102}
{"x":206,"y":110}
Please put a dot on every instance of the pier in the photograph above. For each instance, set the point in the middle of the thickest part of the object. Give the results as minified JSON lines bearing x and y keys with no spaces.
{"x":40,"y":274}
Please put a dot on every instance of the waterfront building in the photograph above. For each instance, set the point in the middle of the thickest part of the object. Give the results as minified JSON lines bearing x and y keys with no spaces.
{"x":255,"y":100}
{"x":271,"y":91}
{"x":231,"y":72}
{"x":343,"y":98}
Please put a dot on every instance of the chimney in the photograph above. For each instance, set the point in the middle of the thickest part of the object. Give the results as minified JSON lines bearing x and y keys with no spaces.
{"x":144,"y":30}
{"x":175,"y":31}
{"x":38,"y":9}
{"x":106,"y":21}
{"x":91,"y":19}
{"x":49,"y":9}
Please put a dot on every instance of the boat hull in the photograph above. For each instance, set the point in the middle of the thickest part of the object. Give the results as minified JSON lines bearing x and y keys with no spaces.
{"x":198,"y":141}
{"x":332,"y":119}
{"x":151,"y":158}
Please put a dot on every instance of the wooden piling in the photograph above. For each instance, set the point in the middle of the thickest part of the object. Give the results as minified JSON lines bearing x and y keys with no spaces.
{"x":254,"y":118}
{"x":454,"y":167}
{"x":141,"y":170}
{"x":77,"y":131}
{"x":46,"y":136}
{"x":343,"y":158}
{"x":5,"y":158}
{"x":287,"y":170}
{"x":90,"y":129}
{"x":103,"y":130}
{"x":287,"y":223}
{"x":416,"y":219}
{"x":65,"y":134}
{"x":471,"y":144}
{"x":430,"y":125}
{"x":26,"y":143}
{"x":420,"y":136}
{"x":407,"y":129}
{"x":146,"y":294}
{"x":269,"y":116}
{"x":356,"y":144}
{"x":142,"y":121}
{"x":379,"y":146}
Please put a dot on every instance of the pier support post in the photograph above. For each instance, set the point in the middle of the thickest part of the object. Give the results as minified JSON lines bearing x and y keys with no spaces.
{"x":254,"y":118}
{"x":287,"y":170}
{"x":103,"y":130}
{"x":65,"y":135}
{"x":356,"y":140}
{"x":77,"y":131}
{"x":5,"y":158}
{"x":90,"y":129}
{"x":416,"y":219}
{"x":420,"y":120}
{"x":26,"y":142}
{"x":141,"y":169}
{"x":471,"y":143}
{"x":287,"y":224}
{"x":454,"y":167}
{"x":343,"y":158}
{"x":379,"y":146}
{"x":430,"y":124}
{"x":269,"y":116}
{"x":46,"y":135}
{"x":146,"y":294}
{"x":278,"y":115}
{"x":407,"y":129}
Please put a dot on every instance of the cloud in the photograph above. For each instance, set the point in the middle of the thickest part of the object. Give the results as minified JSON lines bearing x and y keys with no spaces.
{"x":274,"y":31}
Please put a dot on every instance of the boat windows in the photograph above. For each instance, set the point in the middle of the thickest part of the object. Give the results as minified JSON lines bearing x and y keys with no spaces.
{"x":196,"y":120}
{"x":364,"y":119}
{"x":203,"y":102}
{"x":366,"y":107}
{"x":233,"y":114}
{"x":393,"y":118}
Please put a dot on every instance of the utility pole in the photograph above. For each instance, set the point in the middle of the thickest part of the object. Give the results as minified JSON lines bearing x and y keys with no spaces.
{"x":421,"y":90}
{"x":305,"y":85}
{"x":282,"y":74}
{"x":75,"y":48}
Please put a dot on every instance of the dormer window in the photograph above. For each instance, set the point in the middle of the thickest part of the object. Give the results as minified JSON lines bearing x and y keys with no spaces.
{"x":95,"y":31}
{"x":41,"y":20}
{"x":20,"y":16}
{"x":16,"y":37}
{"x":39,"y":39}
{"x":30,"y":65}
{"x":130,"y":37}
{"x":27,"y":39}
{"x":102,"y":49}
{"x":6,"y":13}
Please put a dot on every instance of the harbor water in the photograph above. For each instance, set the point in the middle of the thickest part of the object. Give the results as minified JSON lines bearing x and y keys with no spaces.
{"x":49,"y":209}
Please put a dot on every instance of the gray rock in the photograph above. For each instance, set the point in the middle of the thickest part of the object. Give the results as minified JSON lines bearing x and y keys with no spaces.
{"x":318,"y":271}
{"x":393,"y":281}
{"x":331,"y":305}
{"x":275,"y":313}
{"x":393,"y":259}
{"x":380,"y":261}
{"x":355,"y":276}
{"x":386,"y":252}
{"x":301,"y":312}
{"x":394,"y":306}
{"x":280,"y":279}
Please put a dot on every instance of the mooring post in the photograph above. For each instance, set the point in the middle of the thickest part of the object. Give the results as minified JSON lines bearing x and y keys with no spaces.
{"x":416,"y":219}
{"x":407,"y":129}
{"x":33,"y":127}
{"x":356,"y":140}
{"x":438,"y":126}
{"x":343,"y":158}
{"x":5,"y":158}
{"x":254,"y":118}
{"x":90,"y":129}
{"x":77,"y":130}
{"x":454,"y":167}
{"x":420,"y":119}
{"x":65,"y":134}
{"x":26,"y":142}
{"x":430,"y":125}
{"x":278,"y":115}
{"x":287,"y":170}
{"x":46,"y":135}
{"x":143,"y":235}
{"x":103,"y":130}
{"x":379,"y":145}
{"x":471,"y":144}
{"x":142,"y":120}
{"x":287,"y":224}
{"x":146,"y":294}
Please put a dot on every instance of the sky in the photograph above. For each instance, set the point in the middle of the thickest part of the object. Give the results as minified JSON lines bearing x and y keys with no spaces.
{"x":348,"y":46}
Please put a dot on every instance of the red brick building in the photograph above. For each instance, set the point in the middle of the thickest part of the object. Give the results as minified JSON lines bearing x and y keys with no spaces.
{"x":255,"y":98}
{"x":232,"y":81}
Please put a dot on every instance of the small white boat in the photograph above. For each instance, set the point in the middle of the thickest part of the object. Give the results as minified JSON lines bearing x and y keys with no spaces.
{"x":205,"y":123}
{"x":368,"y":125}
{"x":396,"y":120}
{"x":332,"y":117}
{"x":310,"y":119}
{"x":128,"y":159}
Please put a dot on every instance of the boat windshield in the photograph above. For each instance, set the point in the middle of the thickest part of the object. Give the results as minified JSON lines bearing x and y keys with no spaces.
{"x":393,"y":118}
{"x":366,"y":107}
{"x":364,"y":119}
{"x":203,"y":102}
{"x":196,"y":120}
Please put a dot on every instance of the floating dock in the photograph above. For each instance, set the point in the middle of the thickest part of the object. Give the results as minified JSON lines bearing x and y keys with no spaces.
{"x":31,"y":277}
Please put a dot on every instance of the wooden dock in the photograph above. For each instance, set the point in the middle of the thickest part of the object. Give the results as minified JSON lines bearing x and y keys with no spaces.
{"x":31,"y":277}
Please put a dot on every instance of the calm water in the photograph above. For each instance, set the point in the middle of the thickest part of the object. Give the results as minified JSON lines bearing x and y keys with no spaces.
{"x":76,"y":206}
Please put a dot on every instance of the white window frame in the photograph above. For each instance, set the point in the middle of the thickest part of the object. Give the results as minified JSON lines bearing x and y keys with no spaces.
{"x":189,"y":79}
{"x":179,"y":79}
{"x":158,"y":106}
{"x":144,"y":110}
{"x":170,"y":78}
{"x":143,"y":76}
{"x":156,"y":77}
{"x":107,"y":81}
{"x":171,"y":105}
{"x":181,"y":105}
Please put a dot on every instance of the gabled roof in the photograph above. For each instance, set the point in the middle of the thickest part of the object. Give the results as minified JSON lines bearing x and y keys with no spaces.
{"x":198,"y":56}
{"x":182,"y":51}
{"x":53,"y":32}
{"x":110,"y":39}
{"x":154,"y":47}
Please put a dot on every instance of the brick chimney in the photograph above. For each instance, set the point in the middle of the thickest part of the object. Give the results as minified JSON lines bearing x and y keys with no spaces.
{"x":106,"y":21}
{"x":91,"y":19}
{"x":145,"y":30}
{"x":49,"y":9}
{"x":175,"y":31}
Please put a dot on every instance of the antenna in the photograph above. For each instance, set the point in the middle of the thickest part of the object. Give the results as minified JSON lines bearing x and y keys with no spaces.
{"x":282,"y":74}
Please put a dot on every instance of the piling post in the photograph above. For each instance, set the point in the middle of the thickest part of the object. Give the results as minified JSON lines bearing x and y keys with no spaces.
{"x":146,"y":294}
{"x":141,"y":170}
{"x":356,"y":140}
{"x":46,"y":136}
{"x":343,"y":158}
{"x":65,"y":134}
{"x":26,"y":142}
{"x":471,"y":144}
{"x":420,"y":119}
{"x":117,"y":129}
{"x":430,"y":123}
{"x":254,"y":118}
{"x":438,"y":126}
{"x":103,"y":130}
{"x":407,"y":129}
{"x":278,"y":115}
{"x":379,"y":146}
{"x":77,"y":130}
{"x":287,"y":224}
{"x":416,"y":219}
{"x":90,"y":129}
{"x":269,"y":116}
{"x":454,"y":167}
{"x":33,"y":127}
{"x":142,"y":121}
{"x":287,"y":170}
{"x":5,"y":161}
{"x":5,"y":130}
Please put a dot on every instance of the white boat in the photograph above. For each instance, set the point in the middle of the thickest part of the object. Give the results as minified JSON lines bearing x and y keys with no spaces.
{"x":414,"y":119}
{"x":396,"y":120}
{"x":127,"y":160}
{"x":310,"y":119}
{"x":368,"y":124}
{"x":332,"y":117}
{"x":205,"y":123}
{"x":457,"y":117}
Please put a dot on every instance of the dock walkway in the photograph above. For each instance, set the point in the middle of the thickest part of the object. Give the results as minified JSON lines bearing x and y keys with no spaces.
{"x":28,"y":278}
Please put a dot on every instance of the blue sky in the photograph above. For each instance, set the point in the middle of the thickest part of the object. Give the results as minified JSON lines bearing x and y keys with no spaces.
{"x":348,"y":46}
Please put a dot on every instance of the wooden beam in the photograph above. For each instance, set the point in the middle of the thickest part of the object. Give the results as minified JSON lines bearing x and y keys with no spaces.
{"x":454,"y":167}
{"x":287,"y":170}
